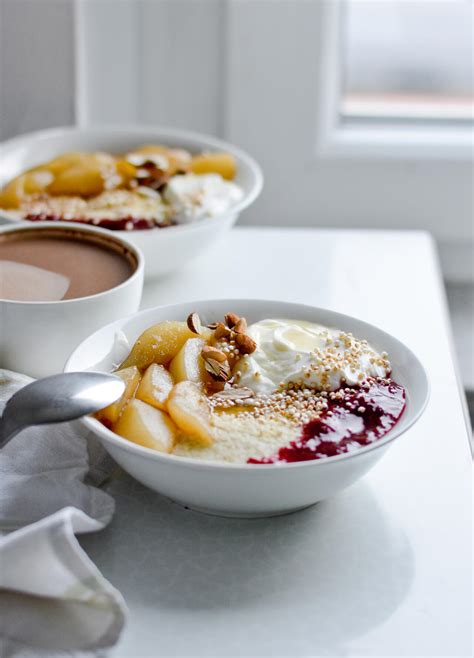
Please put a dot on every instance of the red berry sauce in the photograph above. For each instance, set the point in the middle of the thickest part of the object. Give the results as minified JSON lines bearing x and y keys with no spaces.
{"x":362,"y":417}
{"x":123,"y":224}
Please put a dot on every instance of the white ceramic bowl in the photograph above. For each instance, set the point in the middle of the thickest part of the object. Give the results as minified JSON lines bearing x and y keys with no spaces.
{"x":37,"y":337}
{"x":250,"y":490}
{"x":165,"y":250}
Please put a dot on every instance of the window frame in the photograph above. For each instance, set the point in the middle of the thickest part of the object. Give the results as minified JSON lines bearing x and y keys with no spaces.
{"x":394,"y":178}
{"x":369,"y":137}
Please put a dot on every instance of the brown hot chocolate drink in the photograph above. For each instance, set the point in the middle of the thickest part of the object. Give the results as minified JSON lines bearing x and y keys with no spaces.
{"x":53,"y":264}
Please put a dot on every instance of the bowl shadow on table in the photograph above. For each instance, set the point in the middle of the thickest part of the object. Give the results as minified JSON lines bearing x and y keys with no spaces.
{"x":340,"y":557}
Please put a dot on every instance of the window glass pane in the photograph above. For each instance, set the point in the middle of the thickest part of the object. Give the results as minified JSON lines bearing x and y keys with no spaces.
{"x":408,"y":59}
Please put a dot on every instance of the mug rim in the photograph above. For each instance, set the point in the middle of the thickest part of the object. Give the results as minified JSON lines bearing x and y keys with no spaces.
{"x":75,"y":227}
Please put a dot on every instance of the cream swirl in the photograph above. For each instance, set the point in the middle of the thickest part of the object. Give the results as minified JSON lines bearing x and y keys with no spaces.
{"x":198,"y":196}
{"x":303,"y":353}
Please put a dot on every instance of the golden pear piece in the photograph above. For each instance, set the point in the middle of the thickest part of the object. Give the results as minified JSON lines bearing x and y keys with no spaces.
{"x":158,"y":344}
{"x":188,"y":408}
{"x":149,"y":427}
{"x":131,"y":377}
{"x":155,"y":386}
{"x":214,"y":163}
{"x":188,"y":364}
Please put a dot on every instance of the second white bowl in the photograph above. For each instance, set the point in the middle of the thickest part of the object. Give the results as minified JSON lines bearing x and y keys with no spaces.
{"x":165,"y":250}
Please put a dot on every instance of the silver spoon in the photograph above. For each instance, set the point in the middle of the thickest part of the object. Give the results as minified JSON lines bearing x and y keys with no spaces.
{"x":57,"y":399}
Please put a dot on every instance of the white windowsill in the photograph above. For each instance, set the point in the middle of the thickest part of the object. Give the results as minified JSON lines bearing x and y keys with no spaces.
{"x":396,"y":141}
{"x":375,"y":137}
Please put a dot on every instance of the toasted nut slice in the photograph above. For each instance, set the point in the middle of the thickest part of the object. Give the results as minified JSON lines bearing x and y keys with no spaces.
{"x":246,"y":344}
{"x":213,"y":325}
{"x":217,"y":370}
{"x":235,"y":393}
{"x":142,"y":173}
{"x":136,"y":159}
{"x":194,"y":323}
{"x":209,"y":352}
{"x":156,"y":160}
{"x":222,"y":331}
{"x":241,"y":326}
{"x":213,"y":386}
{"x":231,"y":319}
{"x":147,"y":191}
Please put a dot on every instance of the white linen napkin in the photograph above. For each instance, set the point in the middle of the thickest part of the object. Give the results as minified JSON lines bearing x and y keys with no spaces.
{"x":53,"y":600}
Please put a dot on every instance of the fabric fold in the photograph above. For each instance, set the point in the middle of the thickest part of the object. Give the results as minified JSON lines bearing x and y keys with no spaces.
{"x":53,"y":599}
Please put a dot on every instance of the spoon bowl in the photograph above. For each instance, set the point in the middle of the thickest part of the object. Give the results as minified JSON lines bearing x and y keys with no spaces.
{"x":57,"y":399}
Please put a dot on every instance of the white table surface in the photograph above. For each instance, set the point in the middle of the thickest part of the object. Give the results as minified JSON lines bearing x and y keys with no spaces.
{"x":382,"y":569}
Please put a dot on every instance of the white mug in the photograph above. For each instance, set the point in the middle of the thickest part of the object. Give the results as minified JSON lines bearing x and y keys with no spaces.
{"x":37,"y":337}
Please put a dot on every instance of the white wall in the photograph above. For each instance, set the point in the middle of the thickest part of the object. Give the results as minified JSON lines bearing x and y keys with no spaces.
{"x":254,"y":72}
{"x":37,"y":65}
{"x":259,"y":73}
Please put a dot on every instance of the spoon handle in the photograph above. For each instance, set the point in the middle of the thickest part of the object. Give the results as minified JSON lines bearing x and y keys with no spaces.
{"x":9,"y":427}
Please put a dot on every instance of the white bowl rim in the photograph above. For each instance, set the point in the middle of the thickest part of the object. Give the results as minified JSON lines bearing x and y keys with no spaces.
{"x":96,"y":427}
{"x":75,"y":226}
{"x":169,"y":132}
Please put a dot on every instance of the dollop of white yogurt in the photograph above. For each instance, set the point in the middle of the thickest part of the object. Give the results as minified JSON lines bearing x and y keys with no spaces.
{"x":194,"y":196}
{"x":304,"y":353}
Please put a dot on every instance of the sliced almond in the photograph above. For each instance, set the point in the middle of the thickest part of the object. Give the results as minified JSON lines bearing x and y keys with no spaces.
{"x":181,"y":154}
{"x":148,"y":160}
{"x":142,"y":173}
{"x":222,"y":331}
{"x":214,"y":386}
{"x":148,"y":192}
{"x":235,"y":393}
{"x":217,"y":370}
{"x":231,"y":319}
{"x":194,"y":323}
{"x":158,"y":160}
{"x":241,"y":326}
{"x":245,"y":344}
{"x":136,"y":159}
{"x":209,"y":352}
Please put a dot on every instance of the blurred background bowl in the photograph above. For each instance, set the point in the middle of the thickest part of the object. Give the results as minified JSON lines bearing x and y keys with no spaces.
{"x":165,"y":250}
